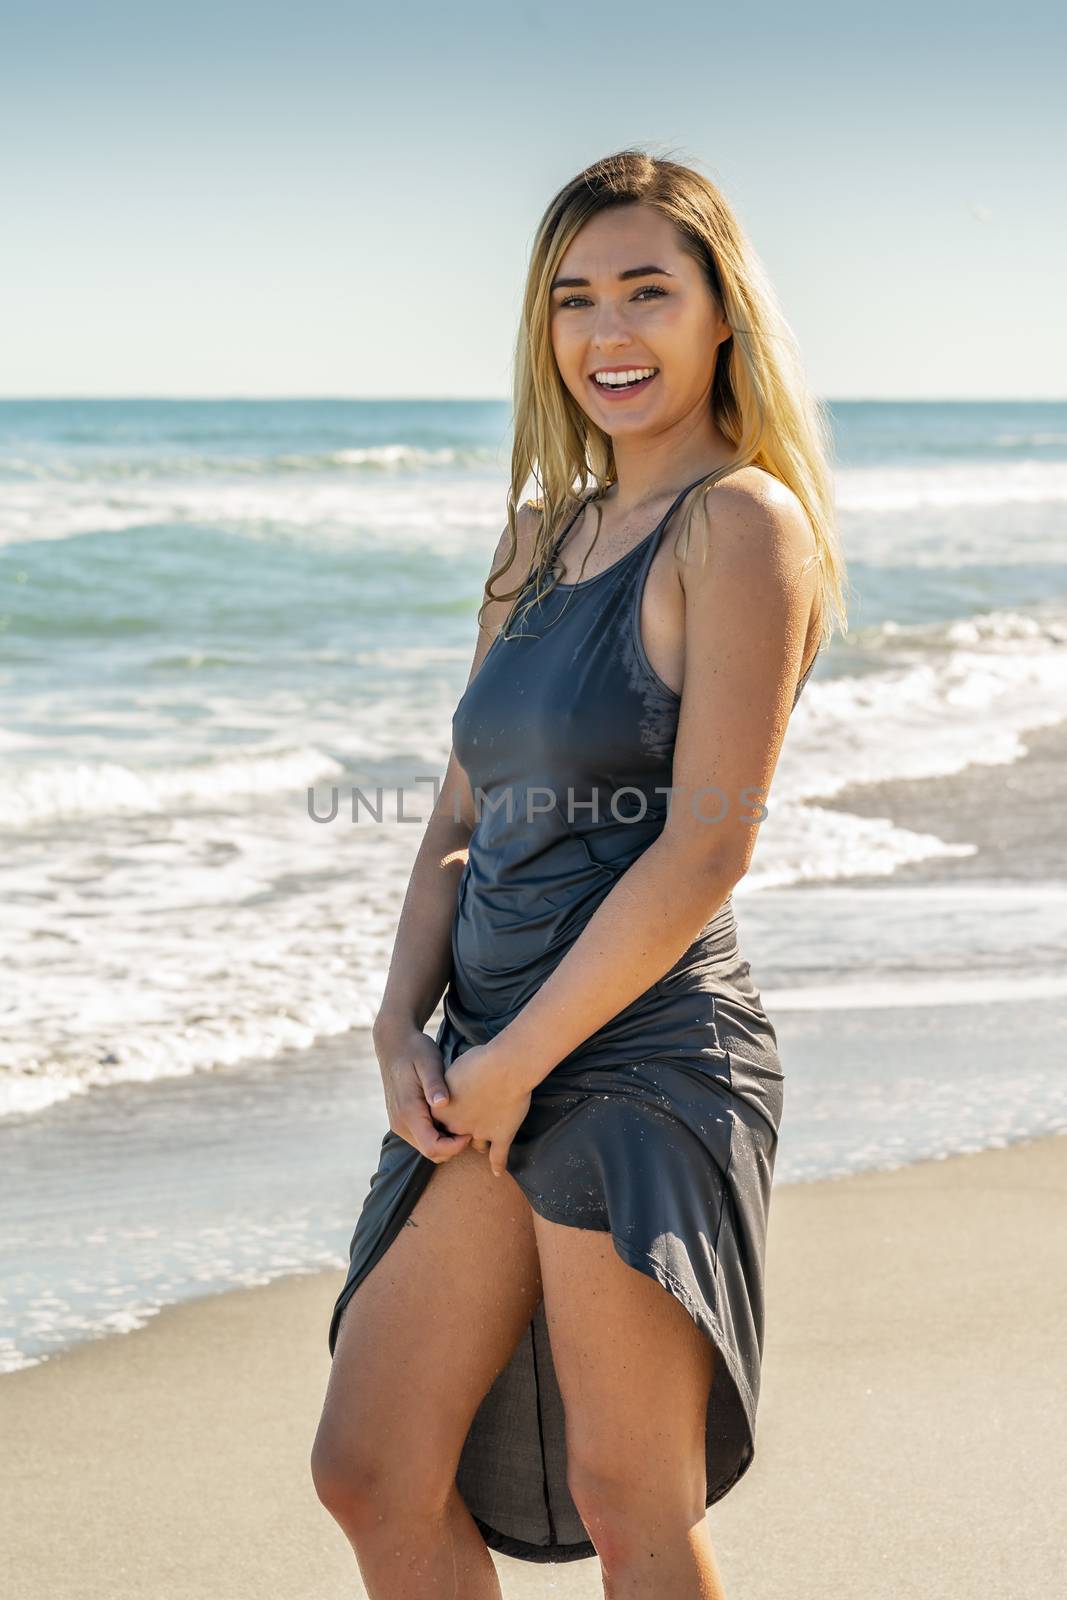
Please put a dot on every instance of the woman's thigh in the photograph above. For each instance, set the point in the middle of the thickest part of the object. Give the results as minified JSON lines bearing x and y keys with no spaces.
{"x":634,"y":1372}
{"x":425,"y":1334}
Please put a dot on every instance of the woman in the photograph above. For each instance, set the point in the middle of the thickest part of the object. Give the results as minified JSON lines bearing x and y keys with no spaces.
{"x":553,"y":1349}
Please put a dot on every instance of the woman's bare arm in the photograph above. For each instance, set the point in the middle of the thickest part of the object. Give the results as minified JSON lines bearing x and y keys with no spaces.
{"x":748,"y":607}
{"x":421,"y":961}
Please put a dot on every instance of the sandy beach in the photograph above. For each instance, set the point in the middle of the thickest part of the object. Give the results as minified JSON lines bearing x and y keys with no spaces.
{"x":189,"y":1100}
{"x":1010,"y":814}
{"x":910,"y":1433}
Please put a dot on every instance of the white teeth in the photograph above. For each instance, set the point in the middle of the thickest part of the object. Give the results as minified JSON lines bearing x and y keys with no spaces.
{"x":612,"y":380}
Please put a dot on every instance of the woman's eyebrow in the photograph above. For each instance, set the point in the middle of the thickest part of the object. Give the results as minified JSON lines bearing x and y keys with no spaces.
{"x":631,"y":272}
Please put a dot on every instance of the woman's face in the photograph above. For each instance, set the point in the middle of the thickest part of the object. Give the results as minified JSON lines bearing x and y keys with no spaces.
{"x":609,"y":318}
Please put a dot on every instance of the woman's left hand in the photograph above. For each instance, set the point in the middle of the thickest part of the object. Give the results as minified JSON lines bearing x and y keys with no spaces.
{"x":483,"y":1102}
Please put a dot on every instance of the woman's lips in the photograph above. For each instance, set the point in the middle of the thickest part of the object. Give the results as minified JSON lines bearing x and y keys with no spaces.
{"x":624,"y":394}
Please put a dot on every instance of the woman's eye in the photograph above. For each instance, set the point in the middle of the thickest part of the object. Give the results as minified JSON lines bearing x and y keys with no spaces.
{"x":649,"y":288}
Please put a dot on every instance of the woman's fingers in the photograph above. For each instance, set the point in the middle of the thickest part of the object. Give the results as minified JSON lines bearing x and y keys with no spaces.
{"x":498,"y":1156}
{"x":427,"y":1138}
{"x":432,"y":1079}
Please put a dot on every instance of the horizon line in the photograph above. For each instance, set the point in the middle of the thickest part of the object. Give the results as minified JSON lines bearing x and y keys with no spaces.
{"x":419,"y":399}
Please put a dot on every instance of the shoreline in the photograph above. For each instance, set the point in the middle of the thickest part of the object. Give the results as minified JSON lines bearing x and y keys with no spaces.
{"x":1003,"y":809}
{"x":911,"y":1366}
{"x":120,"y":1206}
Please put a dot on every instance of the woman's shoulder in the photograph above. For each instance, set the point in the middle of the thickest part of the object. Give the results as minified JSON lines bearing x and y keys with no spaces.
{"x":514,"y":556}
{"x":572,"y":503}
{"x":531,"y":518}
{"x":754,"y":484}
{"x":755,"y":503}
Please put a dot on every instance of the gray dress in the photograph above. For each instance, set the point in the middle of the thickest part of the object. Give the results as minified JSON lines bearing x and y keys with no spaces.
{"x":661,"y":1127}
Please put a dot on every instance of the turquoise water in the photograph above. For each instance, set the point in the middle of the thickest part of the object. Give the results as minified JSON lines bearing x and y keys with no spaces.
{"x":209,"y":609}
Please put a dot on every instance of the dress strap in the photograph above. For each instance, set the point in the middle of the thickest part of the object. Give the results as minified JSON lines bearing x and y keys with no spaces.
{"x":668,"y":514}
{"x":567,"y":526}
{"x":657,"y":532}
{"x":679,"y":497}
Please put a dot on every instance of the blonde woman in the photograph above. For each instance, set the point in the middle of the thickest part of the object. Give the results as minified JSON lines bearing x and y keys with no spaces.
{"x":552,"y":1349}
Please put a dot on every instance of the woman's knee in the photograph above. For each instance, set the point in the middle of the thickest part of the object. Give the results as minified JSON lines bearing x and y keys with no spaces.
{"x":362,"y":1481}
{"x":622,"y":1501}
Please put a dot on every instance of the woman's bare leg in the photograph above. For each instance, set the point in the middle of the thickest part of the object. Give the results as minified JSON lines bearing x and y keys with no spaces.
{"x":419,"y":1345}
{"x":635,"y":1375}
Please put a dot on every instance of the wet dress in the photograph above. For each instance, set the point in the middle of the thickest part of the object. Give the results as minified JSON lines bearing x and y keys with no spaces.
{"x":661,"y":1127}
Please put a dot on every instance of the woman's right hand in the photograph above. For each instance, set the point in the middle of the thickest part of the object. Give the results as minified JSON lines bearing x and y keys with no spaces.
{"x":412,"y":1069}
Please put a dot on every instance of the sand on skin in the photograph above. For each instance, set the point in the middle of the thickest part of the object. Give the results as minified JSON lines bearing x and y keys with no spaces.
{"x":910,"y":1432}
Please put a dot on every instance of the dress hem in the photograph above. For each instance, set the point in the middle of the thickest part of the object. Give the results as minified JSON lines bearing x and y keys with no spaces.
{"x":641,"y":1261}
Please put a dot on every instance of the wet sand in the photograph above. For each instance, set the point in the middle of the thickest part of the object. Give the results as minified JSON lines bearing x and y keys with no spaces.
{"x":910,"y":1431}
{"x":1013,"y":815}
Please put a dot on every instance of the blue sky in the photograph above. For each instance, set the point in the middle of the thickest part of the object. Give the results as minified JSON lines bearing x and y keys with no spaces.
{"x":255,"y":198}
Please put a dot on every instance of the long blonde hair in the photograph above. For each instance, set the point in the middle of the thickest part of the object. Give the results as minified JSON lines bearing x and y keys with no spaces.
{"x":759,"y":399}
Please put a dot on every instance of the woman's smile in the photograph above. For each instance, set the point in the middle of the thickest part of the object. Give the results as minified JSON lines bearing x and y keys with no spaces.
{"x":615,"y":390}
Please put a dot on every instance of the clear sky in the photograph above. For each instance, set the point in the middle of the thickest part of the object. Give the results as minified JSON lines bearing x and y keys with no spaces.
{"x":243,"y":197}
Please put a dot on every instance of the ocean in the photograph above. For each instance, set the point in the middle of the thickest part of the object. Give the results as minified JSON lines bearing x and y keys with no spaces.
{"x":214,"y":613}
